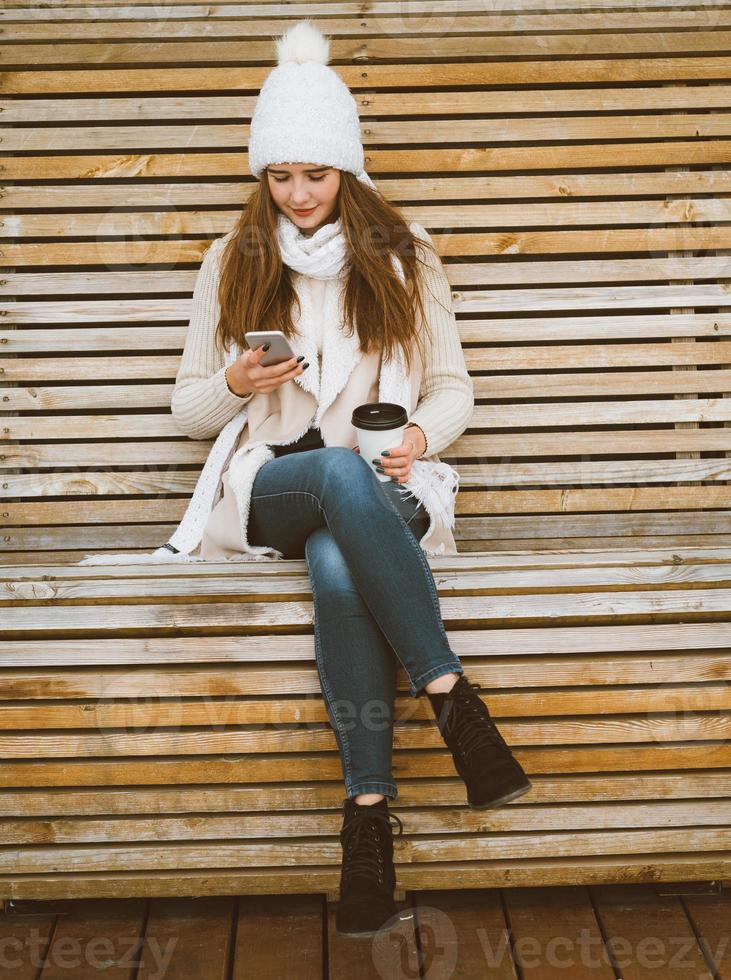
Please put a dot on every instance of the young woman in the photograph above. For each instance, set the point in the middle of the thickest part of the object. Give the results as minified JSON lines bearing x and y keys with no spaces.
{"x":364,"y":301}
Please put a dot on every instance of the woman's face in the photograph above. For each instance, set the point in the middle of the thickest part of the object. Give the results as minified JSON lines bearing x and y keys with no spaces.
{"x":300,"y":186}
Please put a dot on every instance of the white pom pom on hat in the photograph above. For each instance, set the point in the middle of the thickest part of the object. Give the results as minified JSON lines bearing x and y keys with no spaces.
{"x":303,"y":42}
{"x":305,"y":113}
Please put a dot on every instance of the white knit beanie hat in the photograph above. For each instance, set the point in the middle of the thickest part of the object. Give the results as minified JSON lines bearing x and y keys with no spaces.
{"x":305,"y":113}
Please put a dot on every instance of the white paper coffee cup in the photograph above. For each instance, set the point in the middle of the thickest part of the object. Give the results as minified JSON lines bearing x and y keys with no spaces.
{"x":379,"y":426}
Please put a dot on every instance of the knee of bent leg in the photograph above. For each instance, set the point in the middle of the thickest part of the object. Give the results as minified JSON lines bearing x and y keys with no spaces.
{"x":342,"y":464}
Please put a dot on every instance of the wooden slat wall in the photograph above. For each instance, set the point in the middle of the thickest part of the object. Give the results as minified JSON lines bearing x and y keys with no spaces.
{"x":571,"y":165}
{"x":162,"y":729}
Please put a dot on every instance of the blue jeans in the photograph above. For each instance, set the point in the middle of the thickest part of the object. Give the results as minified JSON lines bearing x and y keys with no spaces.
{"x":373,"y":594}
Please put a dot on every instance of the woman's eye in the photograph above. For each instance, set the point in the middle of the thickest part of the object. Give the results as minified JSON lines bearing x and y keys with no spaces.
{"x":281,"y":180}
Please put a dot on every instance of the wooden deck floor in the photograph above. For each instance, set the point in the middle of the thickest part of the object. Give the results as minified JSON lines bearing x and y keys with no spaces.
{"x":612,"y":931}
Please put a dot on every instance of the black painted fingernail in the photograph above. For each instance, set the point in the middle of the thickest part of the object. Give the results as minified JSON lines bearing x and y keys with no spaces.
{"x":305,"y":365}
{"x":380,"y":469}
{"x":385,"y":453}
{"x":300,"y":358}
{"x":267,"y":346}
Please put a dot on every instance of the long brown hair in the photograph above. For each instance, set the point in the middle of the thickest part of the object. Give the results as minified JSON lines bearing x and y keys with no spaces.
{"x":256,"y":292}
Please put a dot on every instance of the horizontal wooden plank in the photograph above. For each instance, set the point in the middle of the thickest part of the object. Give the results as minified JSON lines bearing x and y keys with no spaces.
{"x":249,"y":8}
{"x":584,"y":668}
{"x":208,"y":616}
{"x":485,"y":475}
{"x":105,"y":313}
{"x":568,"y":502}
{"x":172,"y":223}
{"x":483,"y":874}
{"x":578,"y":297}
{"x":596,"y":355}
{"x":588,"y":542}
{"x":379,"y":47}
{"x":30,"y":525}
{"x":599,"y":240}
{"x":615,"y":383}
{"x":586,"y":472}
{"x":70,"y":556}
{"x":156,"y":857}
{"x":163,"y":424}
{"x":248,"y":584}
{"x":144,"y":367}
{"x":472,"y":331}
{"x":598,"y":671}
{"x":149,"y":396}
{"x":535,"y":819}
{"x":687,"y":721}
{"x":218,"y":136}
{"x":414,"y":160}
{"x":562,"y":530}
{"x":408,"y":764}
{"x":580,"y":524}
{"x":602,"y":643}
{"x":486,"y":559}
{"x":261,"y":8}
{"x":172,"y":454}
{"x":698,"y":699}
{"x":215,"y":27}
{"x":447,"y":186}
{"x":614,"y":441}
{"x":381,"y":104}
{"x":551,"y":793}
{"x":357,"y":77}
{"x":536,"y":330}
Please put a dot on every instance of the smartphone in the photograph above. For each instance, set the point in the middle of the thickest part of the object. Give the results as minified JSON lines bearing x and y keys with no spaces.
{"x":278,"y":352}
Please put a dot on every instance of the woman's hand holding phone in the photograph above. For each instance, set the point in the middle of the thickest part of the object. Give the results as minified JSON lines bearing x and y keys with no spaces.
{"x":246,"y":375}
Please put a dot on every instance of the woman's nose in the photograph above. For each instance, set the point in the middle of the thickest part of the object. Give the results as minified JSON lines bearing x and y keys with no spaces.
{"x":300,"y":193}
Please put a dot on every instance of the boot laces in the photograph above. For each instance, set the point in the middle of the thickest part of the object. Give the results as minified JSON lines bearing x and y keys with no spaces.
{"x":361,"y":841}
{"x":470,"y":722}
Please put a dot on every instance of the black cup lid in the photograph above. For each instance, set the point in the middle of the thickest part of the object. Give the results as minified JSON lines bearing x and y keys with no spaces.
{"x":379,"y":415}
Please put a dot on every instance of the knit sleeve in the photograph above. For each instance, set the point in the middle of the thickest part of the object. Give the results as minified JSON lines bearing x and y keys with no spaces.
{"x":201,"y":401}
{"x":446,"y":397}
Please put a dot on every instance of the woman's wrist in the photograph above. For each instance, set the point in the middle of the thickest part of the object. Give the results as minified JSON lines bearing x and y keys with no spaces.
{"x":418,"y":438}
{"x":231,"y":388}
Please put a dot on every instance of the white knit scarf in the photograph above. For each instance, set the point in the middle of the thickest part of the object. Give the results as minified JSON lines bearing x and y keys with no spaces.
{"x":322,"y":255}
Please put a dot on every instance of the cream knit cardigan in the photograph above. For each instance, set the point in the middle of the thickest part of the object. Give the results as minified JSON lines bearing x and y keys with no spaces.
{"x":204,"y":407}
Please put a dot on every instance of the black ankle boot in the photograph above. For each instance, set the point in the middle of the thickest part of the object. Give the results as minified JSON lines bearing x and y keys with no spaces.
{"x":367,"y":877}
{"x":491,"y":772}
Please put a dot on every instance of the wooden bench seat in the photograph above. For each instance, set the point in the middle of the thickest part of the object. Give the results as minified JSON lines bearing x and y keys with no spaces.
{"x":162,"y":730}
